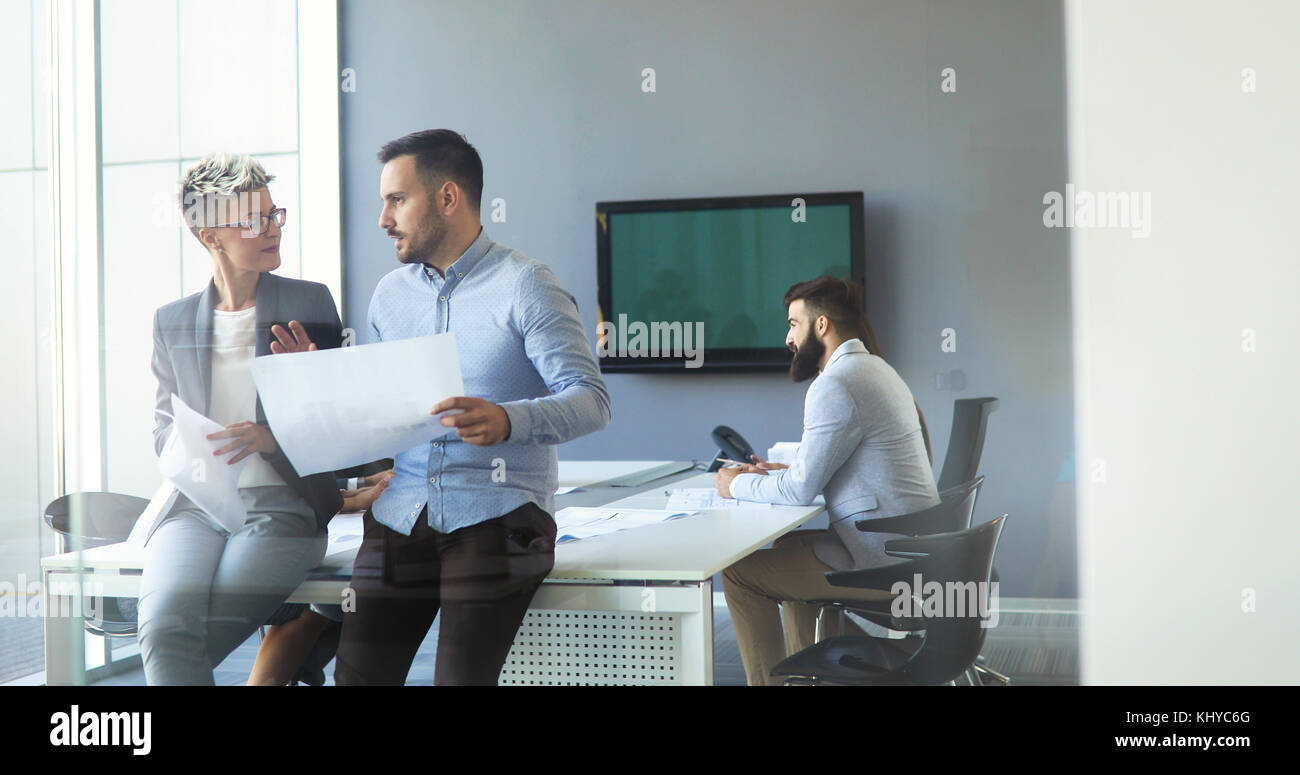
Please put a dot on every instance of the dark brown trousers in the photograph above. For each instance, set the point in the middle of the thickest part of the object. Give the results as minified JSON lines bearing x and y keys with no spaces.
{"x":481,"y":577}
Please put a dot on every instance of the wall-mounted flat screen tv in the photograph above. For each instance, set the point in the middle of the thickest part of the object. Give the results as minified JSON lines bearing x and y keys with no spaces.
{"x":697,"y":284}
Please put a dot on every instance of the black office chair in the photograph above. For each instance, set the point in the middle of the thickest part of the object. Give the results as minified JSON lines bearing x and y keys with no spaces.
{"x":940,"y":649}
{"x":104,"y":518}
{"x":970,"y":421}
{"x":953,"y":513}
{"x":961,"y":463}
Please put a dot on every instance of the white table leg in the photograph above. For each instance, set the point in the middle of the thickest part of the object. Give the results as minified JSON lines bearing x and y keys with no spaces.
{"x":65,"y":630}
{"x":697,"y":639}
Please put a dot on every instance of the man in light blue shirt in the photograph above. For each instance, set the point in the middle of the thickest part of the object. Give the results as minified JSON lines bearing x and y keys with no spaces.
{"x":465,"y":525}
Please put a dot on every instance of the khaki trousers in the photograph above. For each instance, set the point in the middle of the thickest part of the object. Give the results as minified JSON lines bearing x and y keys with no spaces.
{"x":766,"y":587}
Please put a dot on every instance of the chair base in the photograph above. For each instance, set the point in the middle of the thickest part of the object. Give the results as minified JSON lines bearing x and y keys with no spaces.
{"x":849,"y":660}
{"x":987,"y":676}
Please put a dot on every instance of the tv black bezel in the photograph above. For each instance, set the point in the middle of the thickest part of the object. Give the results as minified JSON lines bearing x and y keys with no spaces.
{"x":719,"y":359}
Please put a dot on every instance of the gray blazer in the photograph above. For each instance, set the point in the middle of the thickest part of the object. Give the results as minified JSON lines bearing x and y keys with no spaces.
{"x":182,"y":363}
{"x":862,"y":448}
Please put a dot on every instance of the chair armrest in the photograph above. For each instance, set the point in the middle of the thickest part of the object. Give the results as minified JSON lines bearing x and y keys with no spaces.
{"x":877,"y":577}
{"x":920,"y":545}
{"x":936,"y":519}
{"x":905,"y":524}
{"x":880,"y":613}
{"x":962,"y":489}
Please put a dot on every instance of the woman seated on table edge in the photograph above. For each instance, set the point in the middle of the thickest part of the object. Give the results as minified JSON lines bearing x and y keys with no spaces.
{"x":204,"y":589}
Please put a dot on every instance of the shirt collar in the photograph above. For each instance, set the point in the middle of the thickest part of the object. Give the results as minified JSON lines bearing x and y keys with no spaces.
{"x":845,"y":348}
{"x":467,"y":261}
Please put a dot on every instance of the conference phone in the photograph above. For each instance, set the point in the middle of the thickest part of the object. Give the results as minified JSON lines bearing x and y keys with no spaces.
{"x":732,"y":446}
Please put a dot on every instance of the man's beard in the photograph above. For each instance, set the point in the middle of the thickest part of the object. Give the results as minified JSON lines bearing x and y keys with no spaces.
{"x":807,"y":359}
{"x":430,"y":234}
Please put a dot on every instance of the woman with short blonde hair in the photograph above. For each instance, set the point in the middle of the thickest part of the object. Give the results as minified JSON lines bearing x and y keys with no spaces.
{"x":206,"y":588}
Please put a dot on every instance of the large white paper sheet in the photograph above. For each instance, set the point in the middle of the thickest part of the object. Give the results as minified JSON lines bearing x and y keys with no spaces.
{"x":331,"y":409}
{"x":188,"y":463}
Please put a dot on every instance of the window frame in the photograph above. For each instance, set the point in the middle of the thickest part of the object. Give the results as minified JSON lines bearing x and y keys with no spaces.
{"x":76,"y":424}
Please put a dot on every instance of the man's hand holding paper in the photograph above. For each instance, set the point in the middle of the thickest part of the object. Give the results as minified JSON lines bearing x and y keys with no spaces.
{"x":477,"y":420}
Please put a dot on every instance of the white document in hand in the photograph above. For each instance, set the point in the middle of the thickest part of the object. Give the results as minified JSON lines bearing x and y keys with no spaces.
{"x":332,"y":409}
{"x":188,"y":463}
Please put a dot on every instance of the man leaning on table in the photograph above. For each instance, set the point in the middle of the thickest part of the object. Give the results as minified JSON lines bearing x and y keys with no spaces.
{"x":862,"y":446}
{"x":465,"y":525}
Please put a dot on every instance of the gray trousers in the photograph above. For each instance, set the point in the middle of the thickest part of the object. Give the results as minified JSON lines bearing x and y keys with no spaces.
{"x":204,"y":591}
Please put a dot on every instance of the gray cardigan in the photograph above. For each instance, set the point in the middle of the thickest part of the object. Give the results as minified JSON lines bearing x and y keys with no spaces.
{"x":182,"y":363}
{"x":862,"y":448}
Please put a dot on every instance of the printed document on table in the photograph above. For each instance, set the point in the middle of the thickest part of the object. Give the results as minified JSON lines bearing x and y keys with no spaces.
{"x":578,"y":522}
{"x":332,"y":409}
{"x":188,"y":463}
{"x":705,"y":498}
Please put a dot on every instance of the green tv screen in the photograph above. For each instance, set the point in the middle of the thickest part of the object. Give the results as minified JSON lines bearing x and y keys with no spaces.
{"x":726,"y":268}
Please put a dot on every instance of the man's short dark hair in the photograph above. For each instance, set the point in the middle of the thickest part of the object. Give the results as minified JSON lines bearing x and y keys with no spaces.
{"x":440,"y":155}
{"x":840,"y":301}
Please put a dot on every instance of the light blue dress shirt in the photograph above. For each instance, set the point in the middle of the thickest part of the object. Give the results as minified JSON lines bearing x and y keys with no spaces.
{"x":521,"y":345}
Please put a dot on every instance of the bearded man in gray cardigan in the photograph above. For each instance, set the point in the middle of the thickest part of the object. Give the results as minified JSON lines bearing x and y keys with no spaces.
{"x":863,"y":447}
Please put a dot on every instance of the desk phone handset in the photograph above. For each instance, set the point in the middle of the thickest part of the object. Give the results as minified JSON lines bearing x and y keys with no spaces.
{"x":731,"y":445}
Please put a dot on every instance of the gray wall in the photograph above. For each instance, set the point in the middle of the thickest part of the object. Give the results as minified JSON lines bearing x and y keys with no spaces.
{"x":767,"y":97}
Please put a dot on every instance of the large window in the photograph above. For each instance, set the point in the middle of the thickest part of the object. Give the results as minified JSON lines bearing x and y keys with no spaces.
{"x":28,"y":477}
{"x":134,"y":91}
{"x":178,"y":80}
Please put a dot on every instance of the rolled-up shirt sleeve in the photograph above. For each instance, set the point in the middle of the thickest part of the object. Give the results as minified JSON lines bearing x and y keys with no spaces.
{"x":829,"y":437}
{"x":554,"y":341}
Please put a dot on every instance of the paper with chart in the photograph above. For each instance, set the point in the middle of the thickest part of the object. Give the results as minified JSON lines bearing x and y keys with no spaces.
{"x":331,"y":409}
{"x":578,"y":522}
{"x":705,"y":498}
{"x":209,"y":481}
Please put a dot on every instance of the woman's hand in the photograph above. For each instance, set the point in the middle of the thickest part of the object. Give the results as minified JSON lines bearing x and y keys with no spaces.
{"x":364,"y":497}
{"x":249,"y":435}
{"x":293,"y":341}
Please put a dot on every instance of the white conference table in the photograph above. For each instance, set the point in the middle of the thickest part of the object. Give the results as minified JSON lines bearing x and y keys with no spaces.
{"x":632,"y":607}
